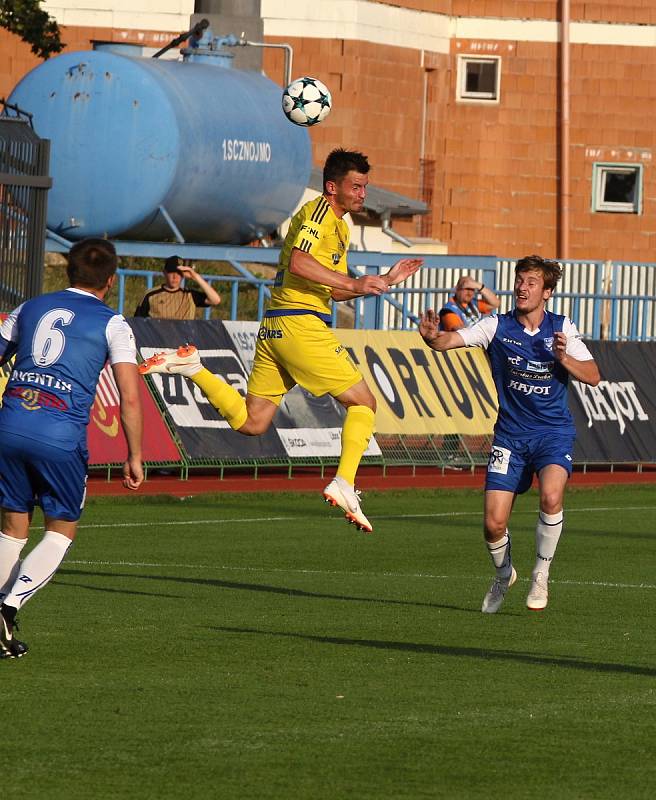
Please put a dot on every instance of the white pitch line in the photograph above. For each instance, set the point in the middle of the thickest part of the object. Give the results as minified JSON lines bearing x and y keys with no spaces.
{"x":219,"y":521}
{"x":435,"y":515}
{"x":515,"y":513}
{"x":215,"y":521}
{"x":266,"y":570}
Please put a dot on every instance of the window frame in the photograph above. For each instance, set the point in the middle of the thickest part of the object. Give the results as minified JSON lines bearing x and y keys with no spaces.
{"x":600,"y":169}
{"x":483,"y":98}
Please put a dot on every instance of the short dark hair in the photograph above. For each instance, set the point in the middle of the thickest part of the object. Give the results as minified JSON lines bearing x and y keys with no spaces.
{"x":340,"y":162}
{"x":551,"y":270}
{"x":91,"y":263}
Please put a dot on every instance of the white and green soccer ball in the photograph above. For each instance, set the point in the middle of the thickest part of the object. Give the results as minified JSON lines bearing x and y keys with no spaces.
{"x":306,"y":101}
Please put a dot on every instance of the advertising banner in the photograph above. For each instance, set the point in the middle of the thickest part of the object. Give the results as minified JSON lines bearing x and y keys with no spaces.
{"x":203,"y":431}
{"x":616,"y":420}
{"x":105,"y":436}
{"x":420,"y":391}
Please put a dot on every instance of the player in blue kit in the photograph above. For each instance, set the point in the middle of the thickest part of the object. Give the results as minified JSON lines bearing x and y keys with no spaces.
{"x":532,"y":354}
{"x":61,"y":341}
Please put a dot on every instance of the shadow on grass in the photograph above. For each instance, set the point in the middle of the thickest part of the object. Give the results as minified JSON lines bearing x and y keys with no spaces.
{"x":58,"y":582}
{"x":258,"y":587}
{"x":568,"y":662}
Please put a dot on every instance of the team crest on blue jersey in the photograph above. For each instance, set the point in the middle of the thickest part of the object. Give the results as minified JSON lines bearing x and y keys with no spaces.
{"x":548,"y":342}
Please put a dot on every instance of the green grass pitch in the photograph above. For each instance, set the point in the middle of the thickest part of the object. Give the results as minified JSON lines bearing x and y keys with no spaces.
{"x":257,"y":646}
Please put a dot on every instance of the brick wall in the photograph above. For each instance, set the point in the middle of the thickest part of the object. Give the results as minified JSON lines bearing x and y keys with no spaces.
{"x":492,"y":170}
{"x":496,"y":168}
{"x":637,"y":12}
{"x":501,"y":162}
{"x":377,"y":103}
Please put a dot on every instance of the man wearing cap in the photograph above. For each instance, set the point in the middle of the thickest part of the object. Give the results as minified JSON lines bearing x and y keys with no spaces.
{"x":171,"y":300}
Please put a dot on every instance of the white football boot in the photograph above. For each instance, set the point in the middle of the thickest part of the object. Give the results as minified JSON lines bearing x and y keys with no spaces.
{"x":183,"y":361}
{"x":494,"y":598}
{"x":538,"y":594}
{"x":340,"y":493}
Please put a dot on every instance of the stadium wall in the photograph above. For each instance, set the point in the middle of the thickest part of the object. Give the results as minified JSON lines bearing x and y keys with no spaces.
{"x":489,"y":171}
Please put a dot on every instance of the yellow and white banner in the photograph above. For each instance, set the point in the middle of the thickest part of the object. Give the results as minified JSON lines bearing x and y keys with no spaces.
{"x":420,"y":391}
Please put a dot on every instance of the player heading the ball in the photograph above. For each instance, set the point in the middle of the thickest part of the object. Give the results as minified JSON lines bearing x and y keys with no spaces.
{"x":295,"y":344}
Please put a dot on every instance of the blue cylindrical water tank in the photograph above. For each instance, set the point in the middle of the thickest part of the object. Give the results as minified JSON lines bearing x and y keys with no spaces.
{"x":207,"y":143}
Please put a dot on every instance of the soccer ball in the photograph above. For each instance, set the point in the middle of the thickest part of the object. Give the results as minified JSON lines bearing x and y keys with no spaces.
{"x":306,"y":101}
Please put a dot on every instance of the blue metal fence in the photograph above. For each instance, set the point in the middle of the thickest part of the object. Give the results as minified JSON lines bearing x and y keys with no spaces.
{"x":607,"y":300}
{"x":235,"y":283}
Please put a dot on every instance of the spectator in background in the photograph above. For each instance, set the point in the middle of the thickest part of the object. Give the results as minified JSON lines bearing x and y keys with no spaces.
{"x":61,"y":342}
{"x":464,"y":308}
{"x":462,"y":311}
{"x":171,"y":300}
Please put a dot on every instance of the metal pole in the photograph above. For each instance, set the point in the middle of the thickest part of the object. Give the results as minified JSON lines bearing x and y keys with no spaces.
{"x":289,"y":55}
{"x":564,"y":193}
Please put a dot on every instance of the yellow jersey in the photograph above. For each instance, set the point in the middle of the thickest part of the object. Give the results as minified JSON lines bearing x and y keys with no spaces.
{"x":315,"y":229}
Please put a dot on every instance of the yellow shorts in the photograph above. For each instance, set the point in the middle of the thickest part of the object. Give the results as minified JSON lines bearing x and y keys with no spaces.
{"x":300,"y":349}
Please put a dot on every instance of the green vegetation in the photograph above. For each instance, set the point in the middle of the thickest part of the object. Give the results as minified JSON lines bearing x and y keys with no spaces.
{"x":135,"y":287}
{"x":28,"y":20}
{"x":256,"y":646}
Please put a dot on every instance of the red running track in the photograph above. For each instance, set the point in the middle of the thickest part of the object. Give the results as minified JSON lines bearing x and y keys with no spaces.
{"x":368,"y":478}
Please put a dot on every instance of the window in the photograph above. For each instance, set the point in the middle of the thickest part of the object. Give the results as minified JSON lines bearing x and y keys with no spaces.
{"x":617,"y":188}
{"x":479,"y":79}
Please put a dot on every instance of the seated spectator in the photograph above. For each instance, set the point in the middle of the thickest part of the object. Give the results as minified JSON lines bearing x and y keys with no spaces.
{"x":463,"y":308}
{"x":171,"y":300}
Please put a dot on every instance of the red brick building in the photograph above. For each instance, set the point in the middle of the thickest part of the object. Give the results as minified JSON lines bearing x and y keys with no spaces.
{"x":460,"y":103}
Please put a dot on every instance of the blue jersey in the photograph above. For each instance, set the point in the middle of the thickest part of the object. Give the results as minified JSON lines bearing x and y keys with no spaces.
{"x":62,"y":341}
{"x":468,"y":315}
{"x":531,"y":384}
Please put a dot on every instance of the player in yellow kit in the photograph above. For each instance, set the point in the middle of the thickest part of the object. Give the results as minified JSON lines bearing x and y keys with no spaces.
{"x":295,"y":344}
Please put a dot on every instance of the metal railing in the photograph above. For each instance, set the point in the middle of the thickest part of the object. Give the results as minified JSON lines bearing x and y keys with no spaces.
{"x":236,"y":283}
{"x":615,"y":301}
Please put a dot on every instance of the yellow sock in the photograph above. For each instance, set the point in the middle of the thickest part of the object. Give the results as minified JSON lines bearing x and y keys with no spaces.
{"x":356,"y":433}
{"x":227,"y":400}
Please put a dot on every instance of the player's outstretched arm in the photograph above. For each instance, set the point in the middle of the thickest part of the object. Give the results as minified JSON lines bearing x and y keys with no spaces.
{"x":402,"y":270}
{"x":434,"y":337}
{"x":127,"y":381}
{"x":307,"y":266}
